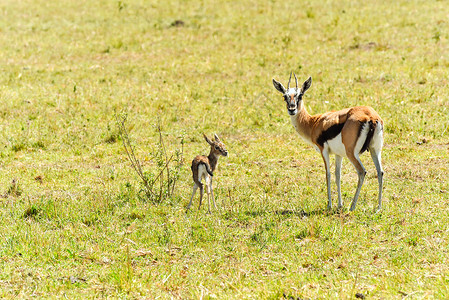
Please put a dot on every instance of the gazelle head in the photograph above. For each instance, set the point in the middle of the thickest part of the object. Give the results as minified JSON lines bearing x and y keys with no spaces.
{"x":217,"y":146}
{"x":293,"y":96}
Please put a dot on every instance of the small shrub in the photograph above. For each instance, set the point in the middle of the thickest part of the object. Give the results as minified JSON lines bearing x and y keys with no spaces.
{"x":157,"y":185}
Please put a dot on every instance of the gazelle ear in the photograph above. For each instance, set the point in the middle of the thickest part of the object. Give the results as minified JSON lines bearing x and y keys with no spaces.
{"x":306,"y":85}
{"x":279,"y":86}
{"x":217,"y":138}
{"x":207,"y":139}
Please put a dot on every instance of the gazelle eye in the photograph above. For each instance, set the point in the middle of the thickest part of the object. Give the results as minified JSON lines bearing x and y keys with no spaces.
{"x":216,"y":147}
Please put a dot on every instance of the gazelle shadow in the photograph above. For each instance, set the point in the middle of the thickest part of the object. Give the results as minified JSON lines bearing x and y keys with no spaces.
{"x":302,"y":213}
{"x":298,"y":213}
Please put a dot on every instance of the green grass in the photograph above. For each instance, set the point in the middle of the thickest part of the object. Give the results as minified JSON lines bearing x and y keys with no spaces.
{"x":74,"y":223}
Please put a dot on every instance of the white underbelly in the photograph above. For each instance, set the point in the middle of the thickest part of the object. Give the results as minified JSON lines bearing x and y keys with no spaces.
{"x":336,"y":146}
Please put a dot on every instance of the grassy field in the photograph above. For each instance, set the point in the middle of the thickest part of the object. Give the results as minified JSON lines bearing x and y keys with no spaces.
{"x":73,"y":221}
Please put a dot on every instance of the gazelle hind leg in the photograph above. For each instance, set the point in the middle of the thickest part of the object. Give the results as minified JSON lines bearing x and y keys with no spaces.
{"x":208,"y":191}
{"x":376,"y":156}
{"x":325,"y":155}
{"x":195,"y":187}
{"x":213,"y":198}
{"x":208,"y":197}
{"x":212,"y":193}
{"x":355,"y":160}
{"x":201,"y":195}
{"x":338,"y":160}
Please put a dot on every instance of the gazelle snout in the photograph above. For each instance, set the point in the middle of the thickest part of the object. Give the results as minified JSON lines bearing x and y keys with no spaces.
{"x":292,"y":108}
{"x":222,"y":151}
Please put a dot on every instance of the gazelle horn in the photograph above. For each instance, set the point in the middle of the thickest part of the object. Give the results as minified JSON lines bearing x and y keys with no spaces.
{"x":288,"y":85}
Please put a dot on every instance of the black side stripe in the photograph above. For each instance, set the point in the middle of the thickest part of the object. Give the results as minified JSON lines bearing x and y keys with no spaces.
{"x":330,"y":133}
{"x":369,"y":136}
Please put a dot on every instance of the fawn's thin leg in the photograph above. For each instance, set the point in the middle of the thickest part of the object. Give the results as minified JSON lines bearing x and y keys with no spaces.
{"x":208,"y":200}
{"x":208,"y":196}
{"x":208,"y":187}
{"x":201,"y":195}
{"x":195,"y":187}
{"x":212,"y":192}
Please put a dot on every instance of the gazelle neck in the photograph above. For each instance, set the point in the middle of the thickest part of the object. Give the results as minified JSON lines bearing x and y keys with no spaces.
{"x":302,"y":122}
{"x":213,"y":159}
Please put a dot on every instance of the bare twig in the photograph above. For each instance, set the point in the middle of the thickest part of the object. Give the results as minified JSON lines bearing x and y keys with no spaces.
{"x":164,"y":152}
{"x":160,"y":184}
{"x":131,"y":155}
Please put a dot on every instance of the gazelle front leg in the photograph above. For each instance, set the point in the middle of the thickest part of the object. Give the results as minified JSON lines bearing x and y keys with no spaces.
{"x":338,"y":160}
{"x":325,"y":154}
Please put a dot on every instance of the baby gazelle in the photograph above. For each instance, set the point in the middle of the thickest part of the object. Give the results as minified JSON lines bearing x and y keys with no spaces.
{"x":204,"y":166}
